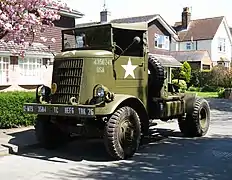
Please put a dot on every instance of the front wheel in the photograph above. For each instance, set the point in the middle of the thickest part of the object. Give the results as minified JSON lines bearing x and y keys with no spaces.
{"x":123,"y":133}
{"x":197,"y":122}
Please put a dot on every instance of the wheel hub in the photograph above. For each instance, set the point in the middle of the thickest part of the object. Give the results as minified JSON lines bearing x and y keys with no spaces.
{"x":125,"y":132}
{"x":203,"y":117}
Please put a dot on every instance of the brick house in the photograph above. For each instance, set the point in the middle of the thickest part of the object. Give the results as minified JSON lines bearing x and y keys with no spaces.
{"x":25,"y":74}
{"x":209,"y":34}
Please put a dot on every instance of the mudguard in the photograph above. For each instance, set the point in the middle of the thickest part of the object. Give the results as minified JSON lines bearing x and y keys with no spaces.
{"x":109,"y":108}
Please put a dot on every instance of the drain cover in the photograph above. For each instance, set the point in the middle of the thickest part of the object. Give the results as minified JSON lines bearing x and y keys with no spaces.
{"x":222,"y":154}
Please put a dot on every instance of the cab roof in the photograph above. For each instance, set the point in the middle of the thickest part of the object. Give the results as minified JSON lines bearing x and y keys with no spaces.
{"x":132,"y":26}
{"x":141,"y":26}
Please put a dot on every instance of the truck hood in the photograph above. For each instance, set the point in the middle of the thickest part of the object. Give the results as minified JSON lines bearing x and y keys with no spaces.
{"x":84,"y":54}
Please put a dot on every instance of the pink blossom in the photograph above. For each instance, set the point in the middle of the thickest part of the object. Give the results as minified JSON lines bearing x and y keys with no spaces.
{"x":8,"y":26}
{"x":53,"y":40}
{"x":20,"y":18}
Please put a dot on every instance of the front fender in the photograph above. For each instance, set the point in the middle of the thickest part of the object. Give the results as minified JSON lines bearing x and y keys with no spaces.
{"x":127,"y":100}
{"x":109,"y":108}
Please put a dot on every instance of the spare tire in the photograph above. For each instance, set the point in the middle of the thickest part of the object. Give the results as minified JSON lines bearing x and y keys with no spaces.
{"x":156,"y":77}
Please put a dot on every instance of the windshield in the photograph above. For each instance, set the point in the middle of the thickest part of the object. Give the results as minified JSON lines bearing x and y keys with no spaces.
{"x":87,"y":38}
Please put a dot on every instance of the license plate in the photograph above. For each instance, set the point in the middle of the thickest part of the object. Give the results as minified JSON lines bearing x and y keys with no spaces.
{"x":60,"y":110}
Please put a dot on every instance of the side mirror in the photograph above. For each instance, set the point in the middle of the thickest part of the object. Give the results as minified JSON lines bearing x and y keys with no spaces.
{"x":137,"y":39}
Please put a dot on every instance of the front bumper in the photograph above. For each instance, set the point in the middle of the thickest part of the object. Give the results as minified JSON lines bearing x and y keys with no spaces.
{"x":87,"y":111}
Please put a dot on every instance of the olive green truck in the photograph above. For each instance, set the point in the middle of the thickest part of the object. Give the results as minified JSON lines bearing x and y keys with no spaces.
{"x":106,"y":84}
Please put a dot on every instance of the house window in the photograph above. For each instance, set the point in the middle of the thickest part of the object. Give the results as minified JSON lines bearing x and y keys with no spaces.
{"x":188,"y":46}
{"x":46,"y":61}
{"x":206,"y":67}
{"x":30,"y":69}
{"x":161,"y":42}
{"x":14,"y":60}
{"x":221,"y":44}
{"x":221,"y":63}
{"x":4,"y":70}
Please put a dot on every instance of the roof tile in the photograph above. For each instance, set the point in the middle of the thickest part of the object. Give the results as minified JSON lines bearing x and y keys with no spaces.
{"x":136,"y":19}
{"x":189,"y":55}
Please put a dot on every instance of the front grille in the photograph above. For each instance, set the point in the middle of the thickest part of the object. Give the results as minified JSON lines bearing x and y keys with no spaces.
{"x":67,"y":74}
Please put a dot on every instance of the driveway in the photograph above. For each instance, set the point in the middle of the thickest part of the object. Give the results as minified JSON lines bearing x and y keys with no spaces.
{"x":167,"y":156}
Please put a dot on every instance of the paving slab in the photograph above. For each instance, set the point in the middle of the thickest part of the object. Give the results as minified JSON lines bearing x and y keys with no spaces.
{"x":17,"y":139}
{"x":4,"y":151}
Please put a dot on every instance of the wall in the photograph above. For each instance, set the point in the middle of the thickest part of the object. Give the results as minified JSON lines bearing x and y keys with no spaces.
{"x":174,"y":45}
{"x":195,"y":65}
{"x":13,"y":74}
{"x":196,"y":45}
{"x":65,"y":22}
{"x":222,"y":33}
{"x":156,"y":27}
{"x":206,"y":60}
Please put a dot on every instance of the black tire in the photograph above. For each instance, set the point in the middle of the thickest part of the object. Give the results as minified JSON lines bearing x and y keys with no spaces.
{"x":196,"y":123}
{"x":156,"y":76}
{"x":48,"y":134}
{"x":117,"y":145}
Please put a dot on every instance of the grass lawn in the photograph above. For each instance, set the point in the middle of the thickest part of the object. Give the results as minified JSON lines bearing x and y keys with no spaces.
{"x":205,"y":94}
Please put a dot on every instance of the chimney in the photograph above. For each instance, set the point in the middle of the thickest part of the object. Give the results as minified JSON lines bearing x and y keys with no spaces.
{"x":186,"y":17}
{"x":104,"y":16}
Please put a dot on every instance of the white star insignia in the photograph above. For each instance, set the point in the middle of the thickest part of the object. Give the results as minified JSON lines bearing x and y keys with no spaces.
{"x":129,"y":69}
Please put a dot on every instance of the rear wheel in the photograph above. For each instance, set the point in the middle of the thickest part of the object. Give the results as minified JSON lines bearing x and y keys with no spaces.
{"x":197,"y":122}
{"x":123,"y":133}
{"x":48,"y":134}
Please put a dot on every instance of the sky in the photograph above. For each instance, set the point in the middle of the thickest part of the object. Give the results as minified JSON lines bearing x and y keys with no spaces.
{"x":170,"y":10}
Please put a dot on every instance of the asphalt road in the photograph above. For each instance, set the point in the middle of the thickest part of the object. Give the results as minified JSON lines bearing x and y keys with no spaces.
{"x":168,"y":156}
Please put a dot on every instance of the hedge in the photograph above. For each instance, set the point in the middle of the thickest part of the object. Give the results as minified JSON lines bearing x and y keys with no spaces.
{"x":11,"y":109}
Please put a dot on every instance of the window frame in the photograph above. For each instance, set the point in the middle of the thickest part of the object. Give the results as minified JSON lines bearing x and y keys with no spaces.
{"x":30,"y":69}
{"x":188,"y":46}
{"x":165,"y":45}
{"x":7,"y":70}
{"x":221,"y":45}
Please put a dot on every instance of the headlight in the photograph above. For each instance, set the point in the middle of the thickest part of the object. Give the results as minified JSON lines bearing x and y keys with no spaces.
{"x":43,"y":91}
{"x":100,"y":92}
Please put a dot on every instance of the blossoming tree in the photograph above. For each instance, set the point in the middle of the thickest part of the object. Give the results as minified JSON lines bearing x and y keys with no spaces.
{"x":22,"y":18}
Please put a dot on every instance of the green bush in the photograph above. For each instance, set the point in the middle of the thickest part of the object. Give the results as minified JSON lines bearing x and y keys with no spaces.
{"x":11,"y":109}
{"x":195,"y":89}
{"x":195,"y":79}
{"x":208,"y":88}
{"x":221,"y":93}
{"x":182,"y":84}
{"x":211,"y":78}
{"x":185,"y":72}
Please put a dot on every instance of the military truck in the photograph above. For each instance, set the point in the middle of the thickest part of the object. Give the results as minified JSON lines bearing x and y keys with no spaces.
{"x":106,"y":84}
